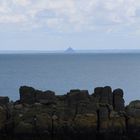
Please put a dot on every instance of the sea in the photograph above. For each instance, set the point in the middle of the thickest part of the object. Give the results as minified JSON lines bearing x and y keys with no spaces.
{"x":61,"y":72}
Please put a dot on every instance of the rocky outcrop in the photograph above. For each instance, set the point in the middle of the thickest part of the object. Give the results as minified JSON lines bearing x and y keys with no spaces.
{"x":118,"y":101}
{"x":77,"y":103}
{"x":27,"y":94}
{"x":30,"y":96}
{"x":104,"y":95}
{"x":75,"y":115}
{"x":46,"y":97}
{"x":133,"y":113}
{"x":76,"y":96}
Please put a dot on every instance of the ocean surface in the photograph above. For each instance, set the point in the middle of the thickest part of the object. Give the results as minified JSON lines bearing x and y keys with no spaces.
{"x":62,"y":72}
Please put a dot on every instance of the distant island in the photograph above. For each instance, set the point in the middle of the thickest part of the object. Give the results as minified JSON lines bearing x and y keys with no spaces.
{"x":69,"y":50}
{"x":40,"y":115}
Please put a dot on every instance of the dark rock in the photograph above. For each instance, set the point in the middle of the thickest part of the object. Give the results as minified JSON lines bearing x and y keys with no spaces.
{"x":49,"y":94}
{"x":75,"y":114}
{"x":27,"y":95}
{"x":102,"y":117}
{"x":2,"y":117}
{"x":104,"y":95}
{"x":118,"y":101}
{"x":134,"y":112}
{"x":75,"y":96}
{"x":4,"y":100}
{"x":107,"y":96}
{"x":17,"y":102}
{"x":133,"y":109}
{"x":98,"y":90}
{"x":103,"y":112}
{"x":45,"y":97}
{"x":85,"y":93}
{"x":74,"y":90}
{"x":135,"y":104}
{"x":18,"y":106}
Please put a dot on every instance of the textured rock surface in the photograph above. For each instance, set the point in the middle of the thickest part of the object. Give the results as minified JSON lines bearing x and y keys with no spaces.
{"x":101,"y":115}
{"x":27,"y":94}
{"x":118,"y":101}
{"x":104,"y":95}
{"x":4,"y":100}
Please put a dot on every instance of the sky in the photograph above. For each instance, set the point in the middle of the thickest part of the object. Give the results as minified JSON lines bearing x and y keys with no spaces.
{"x":58,"y":24}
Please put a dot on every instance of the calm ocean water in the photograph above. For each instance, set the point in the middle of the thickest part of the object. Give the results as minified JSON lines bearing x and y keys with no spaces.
{"x":62,"y":72}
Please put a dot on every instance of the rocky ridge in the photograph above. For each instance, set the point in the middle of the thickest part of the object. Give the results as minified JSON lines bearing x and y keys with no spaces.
{"x":77,"y":114}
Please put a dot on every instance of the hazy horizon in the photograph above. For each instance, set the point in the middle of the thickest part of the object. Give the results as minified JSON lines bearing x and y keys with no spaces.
{"x":75,"y":50}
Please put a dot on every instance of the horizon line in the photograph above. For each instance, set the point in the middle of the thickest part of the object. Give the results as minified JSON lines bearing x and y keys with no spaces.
{"x":75,"y":51}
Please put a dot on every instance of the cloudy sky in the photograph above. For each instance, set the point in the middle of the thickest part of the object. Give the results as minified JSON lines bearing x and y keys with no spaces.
{"x":58,"y":24}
